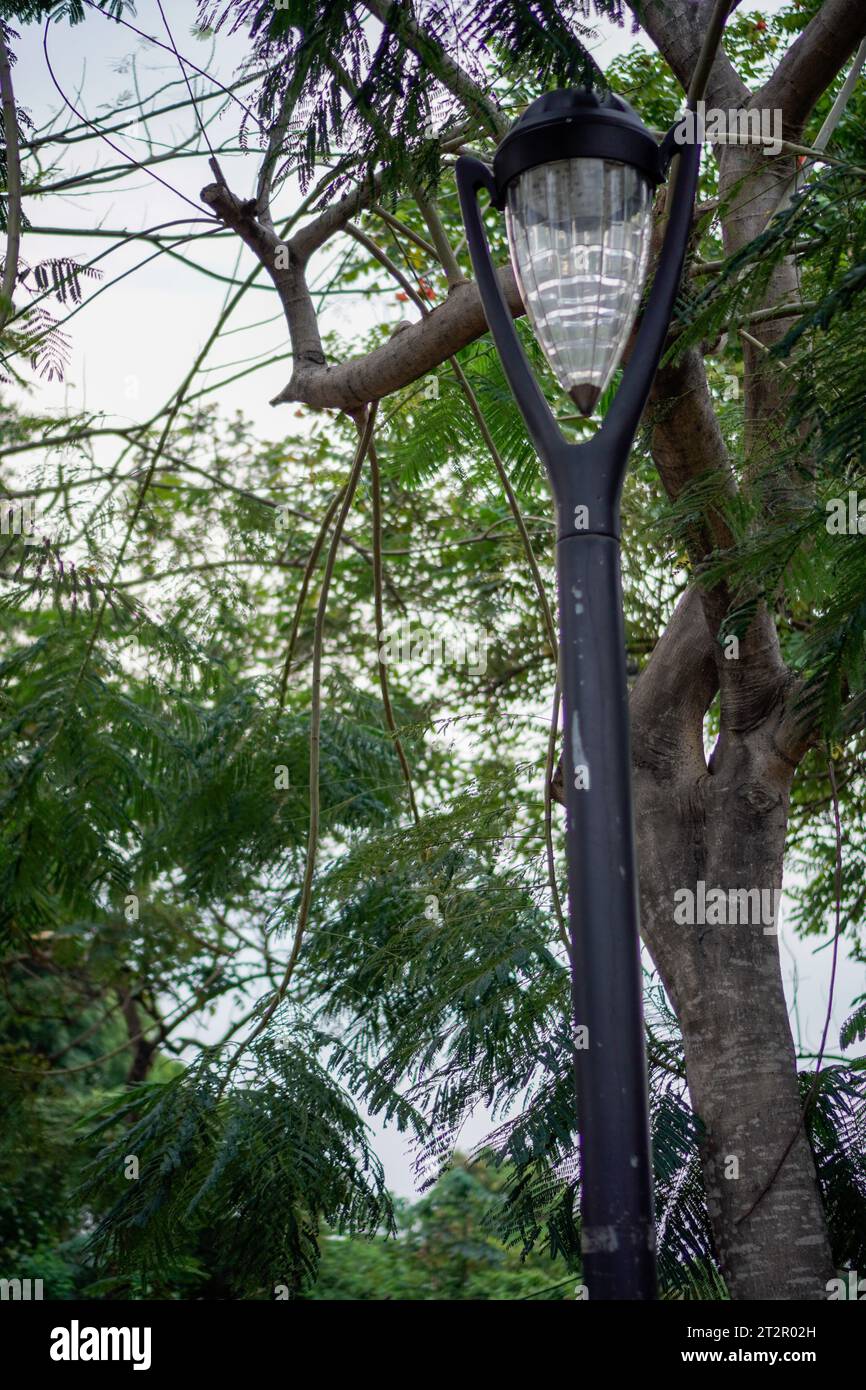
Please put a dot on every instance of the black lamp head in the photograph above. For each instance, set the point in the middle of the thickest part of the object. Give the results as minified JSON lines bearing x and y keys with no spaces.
{"x":576,"y":123}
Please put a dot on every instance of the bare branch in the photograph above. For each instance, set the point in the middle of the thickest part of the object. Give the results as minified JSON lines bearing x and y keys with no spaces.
{"x":429,"y":211}
{"x":282,"y":264}
{"x":822,"y":139}
{"x":13,"y":184}
{"x":417,"y":349}
{"x":334,"y":218}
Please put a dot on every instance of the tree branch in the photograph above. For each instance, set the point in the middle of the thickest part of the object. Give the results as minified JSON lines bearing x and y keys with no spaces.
{"x":13,"y":184}
{"x":477,"y":103}
{"x":281,"y":261}
{"x":677,"y":28}
{"x":672,"y":694}
{"x":812,"y":62}
{"x":416,"y":349}
{"x":822,"y":139}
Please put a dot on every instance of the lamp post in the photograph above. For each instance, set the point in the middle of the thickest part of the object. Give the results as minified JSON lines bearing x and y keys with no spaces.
{"x":575,"y":177}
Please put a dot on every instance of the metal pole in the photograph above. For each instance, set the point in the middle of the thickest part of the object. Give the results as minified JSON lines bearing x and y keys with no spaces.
{"x":618,"y":1238}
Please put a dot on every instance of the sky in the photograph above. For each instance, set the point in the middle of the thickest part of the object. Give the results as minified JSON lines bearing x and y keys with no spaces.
{"x":132,"y":345}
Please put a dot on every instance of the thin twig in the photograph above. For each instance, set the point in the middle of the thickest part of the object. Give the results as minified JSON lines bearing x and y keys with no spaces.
{"x":185,"y":76}
{"x":315,"y":733}
{"x":302,"y":595}
{"x":512,"y":502}
{"x":396,"y":225}
{"x":13,"y":184}
{"x":409,"y":288}
{"x":376,"y":489}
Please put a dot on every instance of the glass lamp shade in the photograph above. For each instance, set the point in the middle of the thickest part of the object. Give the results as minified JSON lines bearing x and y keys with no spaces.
{"x":579,"y":234}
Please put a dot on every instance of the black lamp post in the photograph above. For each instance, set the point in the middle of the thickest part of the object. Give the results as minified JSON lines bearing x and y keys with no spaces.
{"x":575,"y":176}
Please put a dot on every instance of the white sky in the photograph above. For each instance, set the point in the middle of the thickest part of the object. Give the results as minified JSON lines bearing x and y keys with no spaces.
{"x":133,"y":344}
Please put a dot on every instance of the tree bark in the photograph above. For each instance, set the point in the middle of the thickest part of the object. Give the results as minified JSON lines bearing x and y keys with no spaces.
{"x":727,"y":828}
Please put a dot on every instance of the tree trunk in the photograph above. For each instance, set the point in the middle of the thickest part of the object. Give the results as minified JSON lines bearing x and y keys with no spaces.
{"x":725,"y":825}
{"x":725,"y":983}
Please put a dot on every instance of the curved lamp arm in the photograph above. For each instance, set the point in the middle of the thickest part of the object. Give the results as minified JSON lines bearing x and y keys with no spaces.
{"x":545,"y":433}
{"x":621,"y":422}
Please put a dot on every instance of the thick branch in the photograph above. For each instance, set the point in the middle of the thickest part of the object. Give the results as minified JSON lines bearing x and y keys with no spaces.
{"x":688,"y":448}
{"x":416,"y":349}
{"x":284,"y":266}
{"x":677,"y":28}
{"x":687,"y":445}
{"x":812,"y":62}
{"x":672,"y":695}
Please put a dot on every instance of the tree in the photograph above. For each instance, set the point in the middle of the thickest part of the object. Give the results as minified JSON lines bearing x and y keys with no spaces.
{"x":446,"y":1250}
{"x":253,"y":768}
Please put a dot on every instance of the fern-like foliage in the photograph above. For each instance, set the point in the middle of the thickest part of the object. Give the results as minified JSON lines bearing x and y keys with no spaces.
{"x":854,"y":1027}
{"x":261,"y":1166}
{"x":836,"y":1125}
{"x":372,"y":103}
{"x":75,"y":11}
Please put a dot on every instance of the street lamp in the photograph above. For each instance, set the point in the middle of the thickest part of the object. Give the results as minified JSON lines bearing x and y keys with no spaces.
{"x":575,"y":177}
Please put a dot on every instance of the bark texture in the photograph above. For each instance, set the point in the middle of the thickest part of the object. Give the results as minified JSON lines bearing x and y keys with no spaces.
{"x":726,"y":827}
